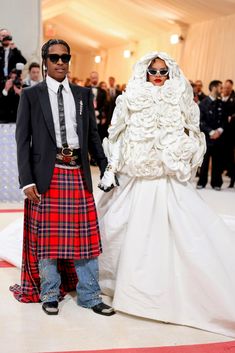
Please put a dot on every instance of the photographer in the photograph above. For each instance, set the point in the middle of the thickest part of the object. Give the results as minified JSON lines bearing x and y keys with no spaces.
{"x":10,"y":96}
{"x":9,"y":56}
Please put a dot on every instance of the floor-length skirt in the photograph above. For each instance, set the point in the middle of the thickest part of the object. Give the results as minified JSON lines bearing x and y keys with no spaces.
{"x":166,"y":255}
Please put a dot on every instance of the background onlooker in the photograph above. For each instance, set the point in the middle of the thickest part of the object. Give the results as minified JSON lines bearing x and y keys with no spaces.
{"x":212,"y":122}
{"x":34,"y":75}
{"x":199,"y":95}
{"x":9,"y":56}
{"x":229,"y":130}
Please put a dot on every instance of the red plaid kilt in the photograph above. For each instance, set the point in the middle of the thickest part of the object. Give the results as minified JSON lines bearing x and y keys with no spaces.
{"x":63,"y":226}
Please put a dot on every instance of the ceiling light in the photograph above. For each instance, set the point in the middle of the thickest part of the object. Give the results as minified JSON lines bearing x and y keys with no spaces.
{"x":127,"y":53}
{"x":175,"y":38}
{"x":97,"y":59}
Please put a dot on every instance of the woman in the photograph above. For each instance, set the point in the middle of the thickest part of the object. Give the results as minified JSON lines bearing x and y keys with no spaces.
{"x":166,"y":255}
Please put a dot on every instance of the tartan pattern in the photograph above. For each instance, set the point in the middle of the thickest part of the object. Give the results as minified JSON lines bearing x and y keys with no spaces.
{"x":63,"y":226}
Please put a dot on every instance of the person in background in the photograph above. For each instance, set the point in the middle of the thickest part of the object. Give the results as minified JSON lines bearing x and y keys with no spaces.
{"x":212,"y":123}
{"x":33,"y":75}
{"x":99,"y":101}
{"x":100,"y":104}
{"x":228,"y":97}
{"x":55,"y":128}
{"x":10,"y":96}
{"x":113,"y":93}
{"x":10,"y":55}
{"x":199,"y":95}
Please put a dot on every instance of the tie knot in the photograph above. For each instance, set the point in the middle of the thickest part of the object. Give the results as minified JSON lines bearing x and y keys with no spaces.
{"x":60,"y":88}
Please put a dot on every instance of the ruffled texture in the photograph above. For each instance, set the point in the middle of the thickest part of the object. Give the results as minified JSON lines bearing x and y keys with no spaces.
{"x":157,"y":128}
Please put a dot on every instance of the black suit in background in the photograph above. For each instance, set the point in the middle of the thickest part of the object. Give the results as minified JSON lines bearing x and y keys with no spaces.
{"x":201,"y":96}
{"x":14,"y":57}
{"x":229,"y":136}
{"x":100,"y":104}
{"x":8,"y":107}
{"x":36,"y":141}
{"x":212,"y":117}
{"x":112,"y":104}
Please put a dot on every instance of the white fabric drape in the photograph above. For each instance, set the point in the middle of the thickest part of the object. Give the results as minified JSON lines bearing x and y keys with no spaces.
{"x":208,"y":52}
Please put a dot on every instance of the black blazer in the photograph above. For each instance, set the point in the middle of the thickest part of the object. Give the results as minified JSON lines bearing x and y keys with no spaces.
{"x":14,"y":57}
{"x":36,"y":141}
{"x":212,"y":116}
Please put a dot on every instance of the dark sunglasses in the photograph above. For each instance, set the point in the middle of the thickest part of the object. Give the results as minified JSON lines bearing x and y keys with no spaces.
{"x":161,"y":72}
{"x":54,"y":58}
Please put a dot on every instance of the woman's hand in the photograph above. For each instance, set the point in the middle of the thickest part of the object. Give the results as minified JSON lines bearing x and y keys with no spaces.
{"x":108,"y":181}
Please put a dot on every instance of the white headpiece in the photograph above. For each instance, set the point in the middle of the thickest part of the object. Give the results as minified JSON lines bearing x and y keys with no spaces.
{"x":139,"y":90}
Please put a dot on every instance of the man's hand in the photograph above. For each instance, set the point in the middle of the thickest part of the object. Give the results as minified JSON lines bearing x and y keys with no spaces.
{"x":32,"y":194}
{"x":8,"y":84}
{"x":17,"y":90}
{"x":215,"y":135}
{"x":108,"y":181}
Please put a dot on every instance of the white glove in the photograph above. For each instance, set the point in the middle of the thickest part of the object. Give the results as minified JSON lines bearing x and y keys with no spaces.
{"x":108,"y":181}
{"x":112,"y":152}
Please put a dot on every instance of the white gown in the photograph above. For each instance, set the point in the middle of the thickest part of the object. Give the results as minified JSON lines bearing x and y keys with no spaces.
{"x":166,"y":255}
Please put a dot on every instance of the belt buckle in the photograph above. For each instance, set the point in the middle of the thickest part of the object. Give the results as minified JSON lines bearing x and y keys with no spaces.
{"x":67,"y":152}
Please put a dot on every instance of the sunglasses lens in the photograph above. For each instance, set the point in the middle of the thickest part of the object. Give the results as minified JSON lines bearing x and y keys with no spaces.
{"x":152,"y":72}
{"x":161,"y":72}
{"x":54,"y":58}
{"x":65,"y":58}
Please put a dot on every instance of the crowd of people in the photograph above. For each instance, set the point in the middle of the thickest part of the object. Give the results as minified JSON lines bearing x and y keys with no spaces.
{"x":217,"y":109}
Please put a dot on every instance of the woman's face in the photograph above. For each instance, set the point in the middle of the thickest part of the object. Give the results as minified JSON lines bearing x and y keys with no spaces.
{"x":157,"y":72}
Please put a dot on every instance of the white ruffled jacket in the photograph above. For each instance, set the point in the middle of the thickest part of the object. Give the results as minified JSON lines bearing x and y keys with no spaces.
{"x":155,"y":130}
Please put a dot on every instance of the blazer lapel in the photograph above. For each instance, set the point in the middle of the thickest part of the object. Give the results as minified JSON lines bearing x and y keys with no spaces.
{"x":46,"y":108}
{"x":79,"y":104}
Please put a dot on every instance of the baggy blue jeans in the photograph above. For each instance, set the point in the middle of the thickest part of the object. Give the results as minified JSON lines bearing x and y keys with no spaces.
{"x":88,"y":289}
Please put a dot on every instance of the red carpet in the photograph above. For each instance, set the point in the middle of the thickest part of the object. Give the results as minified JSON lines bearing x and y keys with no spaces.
{"x":227,"y":347}
{"x":5,"y":264}
{"x":12,"y":210}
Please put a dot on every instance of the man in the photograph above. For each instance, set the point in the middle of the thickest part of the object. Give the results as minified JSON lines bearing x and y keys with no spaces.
{"x":9,"y":99}
{"x":99,"y":101}
{"x":212,"y":121}
{"x":200,"y":95}
{"x":229,"y":131}
{"x":9,"y":56}
{"x":113,"y":94}
{"x":33,"y":75}
{"x":55,"y":129}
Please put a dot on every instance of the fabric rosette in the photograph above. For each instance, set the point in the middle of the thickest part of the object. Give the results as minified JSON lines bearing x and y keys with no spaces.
{"x":177,"y":158}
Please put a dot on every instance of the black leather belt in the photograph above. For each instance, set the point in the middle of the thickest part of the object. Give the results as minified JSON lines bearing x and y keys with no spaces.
{"x":68,"y":151}
{"x":68,"y":156}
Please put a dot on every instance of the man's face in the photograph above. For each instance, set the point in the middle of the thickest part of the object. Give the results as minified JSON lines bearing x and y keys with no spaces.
{"x":198,"y":85}
{"x":3,"y":34}
{"x":34,"y":74}
{"x":218,"y":90}
{"x":94,"y":77}
{"x":227,"y":89}
{"x":111,"y":82}
{"x":57,"y":70}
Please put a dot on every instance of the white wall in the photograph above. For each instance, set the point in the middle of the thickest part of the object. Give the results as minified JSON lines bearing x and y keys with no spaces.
{"x":209,"y":51}
{"x":23,"y":19}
